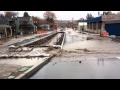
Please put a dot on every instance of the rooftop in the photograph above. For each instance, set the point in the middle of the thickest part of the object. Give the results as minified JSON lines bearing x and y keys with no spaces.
{"x":96,"y":19}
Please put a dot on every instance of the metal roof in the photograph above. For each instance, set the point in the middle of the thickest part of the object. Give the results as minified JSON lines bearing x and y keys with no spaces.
{"x":96,"y":19}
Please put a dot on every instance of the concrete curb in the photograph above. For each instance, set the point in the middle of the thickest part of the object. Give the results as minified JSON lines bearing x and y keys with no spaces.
{"x":32,"y":70}
{"x":63,"y":40}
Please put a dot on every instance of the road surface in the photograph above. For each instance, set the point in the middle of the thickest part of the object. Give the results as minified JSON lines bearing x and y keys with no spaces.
{"x":97,"y":58}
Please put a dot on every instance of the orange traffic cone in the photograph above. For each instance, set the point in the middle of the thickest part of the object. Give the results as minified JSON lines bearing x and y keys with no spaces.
{"x":1,"y":43}
{"x":105,"y":33}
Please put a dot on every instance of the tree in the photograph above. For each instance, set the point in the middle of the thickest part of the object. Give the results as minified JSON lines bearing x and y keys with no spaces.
{"x":50,"y":17}
{"x":80,"y":20}
{"x":39,"y":21}
{"x":25,"y":14}
{"x":49,"y":14}
{"x":89,"y":16}
{"x":107,"y":13}
{"x":10,"y":14}
{"x":51,"y":20}
{"x":1,"y":15}
{"x":118,"y":12}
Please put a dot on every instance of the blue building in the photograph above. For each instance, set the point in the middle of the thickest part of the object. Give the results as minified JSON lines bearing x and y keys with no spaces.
{"x":109,"y":23}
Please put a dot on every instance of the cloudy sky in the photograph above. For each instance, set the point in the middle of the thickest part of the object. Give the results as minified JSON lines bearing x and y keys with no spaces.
{"x":63,"y":15}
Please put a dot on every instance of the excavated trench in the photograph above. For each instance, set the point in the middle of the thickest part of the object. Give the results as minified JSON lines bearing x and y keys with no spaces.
{"x":54,"y":40}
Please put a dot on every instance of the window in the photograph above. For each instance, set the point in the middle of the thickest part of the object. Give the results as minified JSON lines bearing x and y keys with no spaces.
{"x":94,"y":26}
{"x":90,"y":25}
{"x":99,"y":25}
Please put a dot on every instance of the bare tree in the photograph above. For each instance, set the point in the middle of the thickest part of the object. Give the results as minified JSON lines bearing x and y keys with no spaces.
{"x":10,"y":14}
{"x":39,"y":21}
{"x":89,"y":16}
{"x":25,"y":14}
{"x":107,"y":13}
{"x":1,"y":15}
{"x":50,"y":17}
{"x":118,"y":12}
{"x":80,"y":20}
{"x":49,"y":14}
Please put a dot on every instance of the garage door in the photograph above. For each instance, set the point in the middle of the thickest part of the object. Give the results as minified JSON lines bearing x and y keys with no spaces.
{"x":113,"y":29}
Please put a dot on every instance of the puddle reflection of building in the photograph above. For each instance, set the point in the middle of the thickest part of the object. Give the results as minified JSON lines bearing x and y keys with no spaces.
{"x":72,"y":38}
{"x":100,"y":61}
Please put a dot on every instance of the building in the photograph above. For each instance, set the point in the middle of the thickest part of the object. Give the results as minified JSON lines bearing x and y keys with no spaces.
{"x":6,"y":27}
{"x":82,"y":25}
{"x":19,"y":25}
{"x":109,"y":23}
{"x":24,"y":25}
{"x":5,"y":31}
{"x":44,"y":27}
{"x":94,"y":25}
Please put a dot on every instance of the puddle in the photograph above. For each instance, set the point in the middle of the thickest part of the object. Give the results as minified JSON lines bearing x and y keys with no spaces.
{"x":96,"y":68}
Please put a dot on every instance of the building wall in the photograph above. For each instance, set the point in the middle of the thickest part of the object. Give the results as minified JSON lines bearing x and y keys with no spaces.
{"x":81,"y":24}
{"x":95,"y":27}
{"x":19,"y":30}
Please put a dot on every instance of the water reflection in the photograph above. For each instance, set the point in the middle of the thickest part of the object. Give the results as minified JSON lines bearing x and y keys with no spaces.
{"x":100,"y":61}
{"x":97,"y":68}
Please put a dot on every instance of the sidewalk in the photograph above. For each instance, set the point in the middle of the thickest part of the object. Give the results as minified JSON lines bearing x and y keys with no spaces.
{"x":13,"y":40}
{"x":21,"y":38}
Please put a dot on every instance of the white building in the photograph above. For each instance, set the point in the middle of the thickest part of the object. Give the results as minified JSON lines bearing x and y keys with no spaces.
{"x":81,"y":25}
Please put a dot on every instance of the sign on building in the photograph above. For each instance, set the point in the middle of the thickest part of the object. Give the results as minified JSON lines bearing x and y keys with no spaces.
{"x":110,"y":17}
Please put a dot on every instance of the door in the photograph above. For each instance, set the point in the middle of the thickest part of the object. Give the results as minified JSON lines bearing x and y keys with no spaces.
{"x":113,"y":29}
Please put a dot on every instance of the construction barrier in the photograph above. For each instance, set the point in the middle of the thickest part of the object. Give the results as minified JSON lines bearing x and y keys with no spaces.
{"x":41,"y":31}
{"x":1,"y":42}
{"x":105,"y":33}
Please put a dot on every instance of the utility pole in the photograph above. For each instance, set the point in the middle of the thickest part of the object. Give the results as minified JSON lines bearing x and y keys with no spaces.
{"x":83,"y":24}
{"x":72,"y":22}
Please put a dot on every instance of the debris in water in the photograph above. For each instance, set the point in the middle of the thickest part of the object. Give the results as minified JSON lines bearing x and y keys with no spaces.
{"x":85,"y":50}
{"x":89,"y":38}
{"x":80,"y":61}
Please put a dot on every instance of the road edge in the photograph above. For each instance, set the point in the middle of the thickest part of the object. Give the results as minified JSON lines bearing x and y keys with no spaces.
{"x":34,"y":69}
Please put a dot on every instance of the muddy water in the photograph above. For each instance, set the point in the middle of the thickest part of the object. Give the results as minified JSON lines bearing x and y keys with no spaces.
{"x":94,"y":68}
{"x":74,"y":65}
{"x":79,"y":41}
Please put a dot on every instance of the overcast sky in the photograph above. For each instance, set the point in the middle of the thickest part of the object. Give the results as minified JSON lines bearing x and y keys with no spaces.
{"x":63,"y":15}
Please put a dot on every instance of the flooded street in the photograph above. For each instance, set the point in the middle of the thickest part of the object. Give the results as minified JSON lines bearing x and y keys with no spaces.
{"x":89,"y":68}
{"x":76,"y":40}
{"x":60,"y":45}
{"x":84,"y":57}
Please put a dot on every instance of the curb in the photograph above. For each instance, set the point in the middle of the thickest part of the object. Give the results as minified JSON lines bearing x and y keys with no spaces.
{"x":35,"y":68}
{"x":63,"y":40}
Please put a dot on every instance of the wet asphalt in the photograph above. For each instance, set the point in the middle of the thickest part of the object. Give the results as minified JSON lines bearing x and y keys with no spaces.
{"x":77,"y":68}
{"x":97,"y":68}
